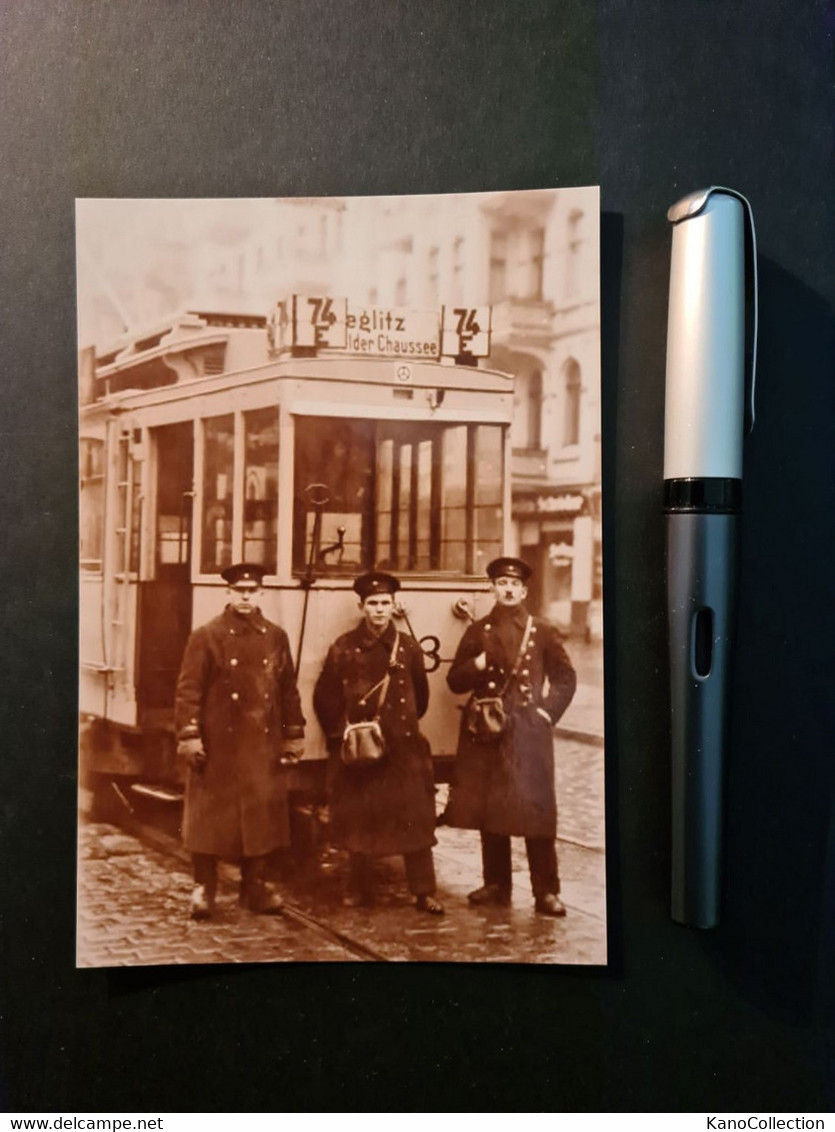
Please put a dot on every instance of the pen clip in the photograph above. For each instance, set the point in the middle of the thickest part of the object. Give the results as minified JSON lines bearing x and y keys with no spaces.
{"x":692,"y":205}
{"x":751,"y":309}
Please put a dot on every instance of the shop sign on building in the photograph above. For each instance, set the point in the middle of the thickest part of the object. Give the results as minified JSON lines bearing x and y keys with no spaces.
{"x":549,"y":504}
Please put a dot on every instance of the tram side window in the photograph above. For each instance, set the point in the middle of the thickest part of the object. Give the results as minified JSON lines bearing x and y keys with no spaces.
{"x":218,"y":471}
{"x":91,"y":469}
{"x":334,"y":463}
{"x":126,"y":534}
{"x":261,"y":487}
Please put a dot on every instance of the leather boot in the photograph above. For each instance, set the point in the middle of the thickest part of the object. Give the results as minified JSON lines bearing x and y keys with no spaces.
{"x":205,"y":886}
{"x":261,"y":897}
{"x":490,"y":894}
{"x":550,"y":905}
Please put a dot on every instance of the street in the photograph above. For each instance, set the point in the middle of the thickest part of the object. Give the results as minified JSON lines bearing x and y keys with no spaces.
{"x":134,"y":899}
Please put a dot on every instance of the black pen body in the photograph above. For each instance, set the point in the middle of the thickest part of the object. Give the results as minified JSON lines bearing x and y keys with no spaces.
{"x":712,"y":273}
{"x":702,"y":583}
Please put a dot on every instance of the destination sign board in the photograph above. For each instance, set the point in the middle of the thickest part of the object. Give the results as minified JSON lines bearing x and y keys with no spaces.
{"x":465,"y":332}
{"x":318,"y":322}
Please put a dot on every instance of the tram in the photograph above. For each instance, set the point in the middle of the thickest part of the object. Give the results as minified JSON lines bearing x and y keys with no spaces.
{"x":317,"y":441}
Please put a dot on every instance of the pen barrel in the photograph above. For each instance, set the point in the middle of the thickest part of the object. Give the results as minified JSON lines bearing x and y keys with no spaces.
{"x":702,"y":564}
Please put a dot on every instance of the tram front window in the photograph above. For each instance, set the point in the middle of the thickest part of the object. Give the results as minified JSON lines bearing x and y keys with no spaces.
{"x":414,"y":497}
{"x":261,"y":487}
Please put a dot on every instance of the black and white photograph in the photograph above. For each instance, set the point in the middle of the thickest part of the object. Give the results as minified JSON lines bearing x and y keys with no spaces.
{"x":341,"y":561}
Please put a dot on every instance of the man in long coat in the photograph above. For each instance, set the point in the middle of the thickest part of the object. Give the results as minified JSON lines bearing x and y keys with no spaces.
{"x":386,"y":808}
{"x":238,"y":719}
{"x":504,"y":786}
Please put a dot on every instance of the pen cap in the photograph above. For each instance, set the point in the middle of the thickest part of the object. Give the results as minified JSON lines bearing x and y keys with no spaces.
{"x":705,"y":388}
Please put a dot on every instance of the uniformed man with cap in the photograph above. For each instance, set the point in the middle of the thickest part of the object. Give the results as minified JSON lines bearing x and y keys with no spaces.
{"x":386,"y":808}
{"x":238,"y":720}
{"x":504,"y":781}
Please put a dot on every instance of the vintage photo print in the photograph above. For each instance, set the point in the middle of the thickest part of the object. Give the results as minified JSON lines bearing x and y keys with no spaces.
{"x":341,"y":657}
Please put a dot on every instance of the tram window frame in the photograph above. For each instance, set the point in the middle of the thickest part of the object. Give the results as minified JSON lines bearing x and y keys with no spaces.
{"x":223,"y":496}
{"x":268,"y":482}
{"x":408,"y":523}
{"x":92,"y":488}
{"x":238,"y":468}
{"x":127,"y":513}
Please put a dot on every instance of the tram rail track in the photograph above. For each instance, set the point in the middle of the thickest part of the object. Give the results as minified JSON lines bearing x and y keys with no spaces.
{"x":164,"y":843}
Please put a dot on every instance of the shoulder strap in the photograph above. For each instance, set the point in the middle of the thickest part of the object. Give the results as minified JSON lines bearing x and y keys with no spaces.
{"x":526,"y":636}
{"x":383,"y":684}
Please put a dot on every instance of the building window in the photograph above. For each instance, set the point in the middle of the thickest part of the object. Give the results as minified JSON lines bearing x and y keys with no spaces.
{"x":91,"y":505}
{"x":572,"y":389}
{"x":260,"y":531}
{"x":534,"y":263}
{"x":434,"y":280}
{"x":218,"y":471}
{"x":458,"y":269}
{"x":526,"y":428}
{"x":498,"y":266}
{"x":574,"y":251}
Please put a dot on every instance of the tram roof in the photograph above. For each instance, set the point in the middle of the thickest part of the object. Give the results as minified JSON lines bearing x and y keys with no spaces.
{"x":147,"y":360}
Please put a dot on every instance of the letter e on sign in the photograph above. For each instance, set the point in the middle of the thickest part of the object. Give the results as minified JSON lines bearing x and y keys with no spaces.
{"x":319,"y":321}
{"x":465,"y":332}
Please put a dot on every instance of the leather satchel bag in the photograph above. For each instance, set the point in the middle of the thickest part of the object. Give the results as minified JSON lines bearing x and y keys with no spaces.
{"x":485,"y":717}
{"x":363,"y":743}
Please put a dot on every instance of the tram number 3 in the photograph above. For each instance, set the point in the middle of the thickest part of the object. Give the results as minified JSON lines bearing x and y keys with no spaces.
{"x":431,"y":647}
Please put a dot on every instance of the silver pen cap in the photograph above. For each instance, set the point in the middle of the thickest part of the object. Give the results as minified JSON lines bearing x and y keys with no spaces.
{"x":705,"y":385}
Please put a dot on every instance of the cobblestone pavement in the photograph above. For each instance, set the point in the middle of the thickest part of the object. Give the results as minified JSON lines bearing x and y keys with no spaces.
{"x":133,"y":900}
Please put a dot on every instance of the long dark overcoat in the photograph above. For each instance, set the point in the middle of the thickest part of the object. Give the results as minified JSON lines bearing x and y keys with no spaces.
{"x":508,"y":786}
{"x":387,"y":808}
{"x":237,"y":691}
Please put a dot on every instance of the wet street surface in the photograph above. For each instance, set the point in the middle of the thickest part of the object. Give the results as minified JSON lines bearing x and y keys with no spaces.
{"x":134,"y":894}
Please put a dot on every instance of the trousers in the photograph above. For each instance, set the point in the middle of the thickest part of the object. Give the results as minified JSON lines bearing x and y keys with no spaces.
{"x":542,"y":863}
{"x":420,"y":872}
{"x":205,"y":871}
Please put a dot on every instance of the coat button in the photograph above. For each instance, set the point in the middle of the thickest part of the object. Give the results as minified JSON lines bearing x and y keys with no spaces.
{"x":492,"y":685}
{"x":233,"y":661}
{"x":265,"y":661}
{"x":526,"y":672}
{"x":235,"y":696}
{"x":266,"y":695}
{"x":402,"y":700}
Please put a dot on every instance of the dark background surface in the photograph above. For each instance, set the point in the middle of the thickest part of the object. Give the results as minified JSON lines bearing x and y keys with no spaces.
{"x":650,"y":100}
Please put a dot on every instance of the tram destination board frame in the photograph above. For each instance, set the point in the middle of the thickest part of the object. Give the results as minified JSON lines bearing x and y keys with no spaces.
{"x":328,"y":389}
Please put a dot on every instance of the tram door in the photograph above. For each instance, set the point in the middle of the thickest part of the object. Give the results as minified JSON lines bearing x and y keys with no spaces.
{"x":165,"y":599}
